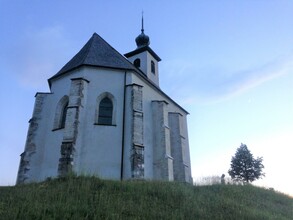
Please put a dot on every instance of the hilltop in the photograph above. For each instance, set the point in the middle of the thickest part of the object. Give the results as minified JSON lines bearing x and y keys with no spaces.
{"x":93,"y":198}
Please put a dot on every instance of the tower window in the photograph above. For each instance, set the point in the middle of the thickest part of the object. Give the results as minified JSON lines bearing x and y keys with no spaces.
{"x":153,"y":67}
{"x":105,"y":111}
{"x":137,"y":63}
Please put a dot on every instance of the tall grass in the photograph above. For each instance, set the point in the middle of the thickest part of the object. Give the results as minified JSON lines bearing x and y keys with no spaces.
{"x":92,"y":198}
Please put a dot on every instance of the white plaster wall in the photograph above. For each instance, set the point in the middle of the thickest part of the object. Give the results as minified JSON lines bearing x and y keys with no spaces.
{"x":128,"y":131}
{"x":143,"y":61}
{"x":149,"y":94}
{"x":154,"y":77}
{"x":99,"y":146}
{"x":50,"y":141}
{"x":187,"y":149}
{"x":39,"y":141}
{"x":145,"y":65}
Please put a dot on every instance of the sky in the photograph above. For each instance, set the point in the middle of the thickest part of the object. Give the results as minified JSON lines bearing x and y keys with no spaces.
{"x":228,"y":63}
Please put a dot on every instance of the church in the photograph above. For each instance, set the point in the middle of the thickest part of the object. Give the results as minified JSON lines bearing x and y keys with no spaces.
{"x":106,"y":116}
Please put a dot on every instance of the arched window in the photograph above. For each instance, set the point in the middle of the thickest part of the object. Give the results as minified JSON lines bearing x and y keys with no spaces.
{"x":137,"y":63}
{"x":153,"y":67}
{"x":105,"y":111}
{"x":60,"y":114}
{"x":63,"y":116}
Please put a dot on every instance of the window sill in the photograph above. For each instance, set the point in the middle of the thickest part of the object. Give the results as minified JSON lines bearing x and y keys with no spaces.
{"x":56,"y":129}
{"x":105,"y":124}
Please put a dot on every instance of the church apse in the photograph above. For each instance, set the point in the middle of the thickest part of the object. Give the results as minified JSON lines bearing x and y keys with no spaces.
{"x":107,"y":117}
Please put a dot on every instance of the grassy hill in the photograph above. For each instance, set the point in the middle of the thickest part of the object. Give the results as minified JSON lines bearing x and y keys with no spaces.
{"x":92,"y":198}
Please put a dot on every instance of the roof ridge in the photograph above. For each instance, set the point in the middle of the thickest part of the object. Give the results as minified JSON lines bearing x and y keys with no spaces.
{"x":116,"y":51}
{"x":90,"y":42}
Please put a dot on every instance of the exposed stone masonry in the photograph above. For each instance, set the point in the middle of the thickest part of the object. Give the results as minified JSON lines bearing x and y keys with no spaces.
{"x":178,"y":147}
{"x":137,"y":154}
{"x":30,"y":146}
{"x":66,"y":159}
{"x":76,"y":98}
{"x":163,"y":161}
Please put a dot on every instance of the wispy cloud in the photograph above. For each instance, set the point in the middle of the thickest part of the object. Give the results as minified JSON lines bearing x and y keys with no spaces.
{"x":37,"y":55}
{"x":191,"y":85}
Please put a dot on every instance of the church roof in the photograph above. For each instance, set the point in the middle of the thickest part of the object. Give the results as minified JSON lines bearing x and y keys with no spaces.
{"x":96,"y":52}
{"x":142,"y":42}
{"x":142,"y":49}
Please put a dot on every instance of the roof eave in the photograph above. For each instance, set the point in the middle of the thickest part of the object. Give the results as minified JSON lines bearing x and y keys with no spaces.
{"x":142,"y":49}
{"x":84,"y":65}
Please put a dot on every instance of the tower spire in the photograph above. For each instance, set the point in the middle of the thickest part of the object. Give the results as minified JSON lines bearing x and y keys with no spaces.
{"x":142,"y":39}
{"x":142,"y":29}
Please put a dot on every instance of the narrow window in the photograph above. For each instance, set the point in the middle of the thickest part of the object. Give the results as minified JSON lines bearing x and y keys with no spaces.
{"x":153,"y":69}
{"x":60,"y":114}
{"x":137,"y":63}
{"x":105,"y":111}
{"x":63,"y":116}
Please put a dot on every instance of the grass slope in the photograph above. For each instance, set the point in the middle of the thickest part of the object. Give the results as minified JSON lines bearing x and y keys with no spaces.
{"x":92,"y":198}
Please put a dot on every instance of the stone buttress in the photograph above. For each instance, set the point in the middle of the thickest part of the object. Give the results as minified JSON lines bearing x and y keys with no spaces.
{"x":162,"y":159}
{"x":137,"y":151}
{"x":26,"y":158}
{"x":178,"y":148}
{"x":72,"y":125}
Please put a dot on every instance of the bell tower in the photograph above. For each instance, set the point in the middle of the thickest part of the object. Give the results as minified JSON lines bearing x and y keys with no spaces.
{"x":144,"y":58}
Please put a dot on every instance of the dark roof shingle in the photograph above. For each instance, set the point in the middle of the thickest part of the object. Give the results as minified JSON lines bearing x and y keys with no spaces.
{"x":96,"y":52}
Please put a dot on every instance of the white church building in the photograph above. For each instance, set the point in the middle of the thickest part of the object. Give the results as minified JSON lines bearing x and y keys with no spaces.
{"x":107,"y":116}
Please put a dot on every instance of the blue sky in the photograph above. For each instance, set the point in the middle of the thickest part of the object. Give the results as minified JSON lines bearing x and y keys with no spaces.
{"x":229,"y":63}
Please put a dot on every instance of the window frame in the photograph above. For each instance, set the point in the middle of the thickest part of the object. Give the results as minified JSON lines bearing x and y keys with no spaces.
{"x":153,"y":67}
{"x":60,"y":113}
{"x":97,"y":112}
{"x":105,"y":111}
{"x":137,"y":63}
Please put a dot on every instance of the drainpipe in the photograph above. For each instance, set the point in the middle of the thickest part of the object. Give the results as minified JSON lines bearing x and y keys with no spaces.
{"x":123,"y":129}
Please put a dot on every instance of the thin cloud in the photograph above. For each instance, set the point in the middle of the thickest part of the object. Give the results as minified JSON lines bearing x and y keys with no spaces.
{"x":215,"y":84}
{"x":246,"y":80}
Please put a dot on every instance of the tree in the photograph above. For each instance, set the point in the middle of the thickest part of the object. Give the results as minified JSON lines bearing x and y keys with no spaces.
{"x":244,"y":167}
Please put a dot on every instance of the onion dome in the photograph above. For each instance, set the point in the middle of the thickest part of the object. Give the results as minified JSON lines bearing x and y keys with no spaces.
{"x":142,"y":39}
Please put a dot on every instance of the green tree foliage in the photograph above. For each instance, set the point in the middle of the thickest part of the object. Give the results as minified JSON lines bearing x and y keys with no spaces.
{"x":244,"y":167}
